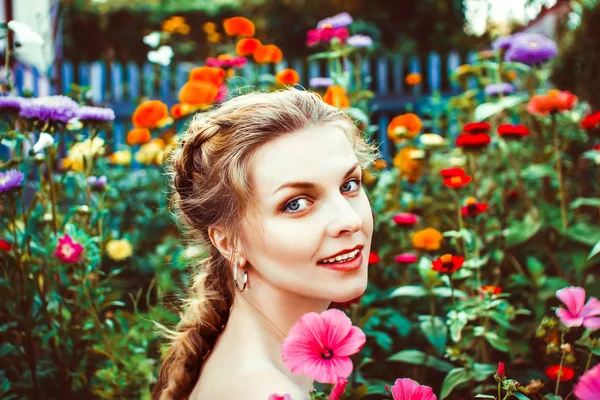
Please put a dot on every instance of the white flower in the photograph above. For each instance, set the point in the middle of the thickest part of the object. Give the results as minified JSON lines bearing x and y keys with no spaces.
{"x":24,"y":34}
{"x":152,"y":39}
{"x":44,"y":141}
{"x":457,"y":161}
{"x":161,"y":56}
{"x":416,"y":154}
{"x":431,"y":140}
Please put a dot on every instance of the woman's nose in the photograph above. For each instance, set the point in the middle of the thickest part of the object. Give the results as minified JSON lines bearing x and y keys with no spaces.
{"x":343,"y":217}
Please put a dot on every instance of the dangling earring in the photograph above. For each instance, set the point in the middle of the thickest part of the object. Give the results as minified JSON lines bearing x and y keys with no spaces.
{"x":235,"y":269}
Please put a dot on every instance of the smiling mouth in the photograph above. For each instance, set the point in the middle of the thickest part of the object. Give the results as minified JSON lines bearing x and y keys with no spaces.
{"x":341,"y":259}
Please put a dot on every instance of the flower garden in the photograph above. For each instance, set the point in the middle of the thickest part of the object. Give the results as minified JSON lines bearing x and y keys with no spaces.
{"x":483,"y":277}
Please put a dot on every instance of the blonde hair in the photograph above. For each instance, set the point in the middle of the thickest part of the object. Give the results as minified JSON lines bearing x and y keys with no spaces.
{"x":210,"y":177}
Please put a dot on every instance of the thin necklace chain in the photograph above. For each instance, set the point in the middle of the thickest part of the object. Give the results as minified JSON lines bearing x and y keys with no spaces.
{"x":275,"y":326}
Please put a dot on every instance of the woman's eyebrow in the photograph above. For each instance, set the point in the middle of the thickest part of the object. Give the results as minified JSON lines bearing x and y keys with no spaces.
{"x":310,"y":185}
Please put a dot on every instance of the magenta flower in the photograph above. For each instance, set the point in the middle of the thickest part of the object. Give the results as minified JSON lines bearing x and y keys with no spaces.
{"x":67,"y":250}
{"x":405,"y":219}
{"x":588,"y":386}
{"x":407,"y":389}
{"x":326,"y":34}
{"x":338,"y":389}
{"x":406,"y":258}
{"x":576,"y":312}
{"x":320,"y":346}
{"x":275,"y":396}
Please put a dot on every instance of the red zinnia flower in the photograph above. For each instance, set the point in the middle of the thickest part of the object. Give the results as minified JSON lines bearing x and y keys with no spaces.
{"x":591,"y":121}
{"x":554,"y":101}
{"x":450,"y":172}
{"x":477,"y":127}
{"x":457,"y":181}
{"x":473,"y":141}
{"x":405,"y":219}
{"x":491,"y":289}
{"x":448,"y":263}
{"x":473,"y":208}
{"x":508,"y":131}
{"x":566,"y":374}
{"x":373,"y":258}
{"x":5,"y":245}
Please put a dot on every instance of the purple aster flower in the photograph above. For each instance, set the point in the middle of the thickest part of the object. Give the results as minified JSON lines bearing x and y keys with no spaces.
{"x":11,"y":103}
{"x":496,"y":89}
{"x":95,"y":114}
{"x":97,"y":182}
{"x":531,"y":49}
{"x":10,"y":179}
{"x":504,"y":42}
{"x":320,"y":82}
{"x":50,"y":108}
{"x":337,"y":21}
{"x":360,"y":41}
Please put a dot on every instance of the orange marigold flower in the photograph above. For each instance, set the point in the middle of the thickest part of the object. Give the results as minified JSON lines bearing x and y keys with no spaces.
{"x":238,"y":26}
{"x":409,"y":162}
{"x":427,"y":239}
{"x":336,"y":96}
{"x":413,"y":79}
{"x":566,"y":373}
{"x":198,"y":93}
{"x":404,"y":126}
{"x":214,"y":37}
{"x":210,"y":74}
{"x":554,"y":101}
{"x":268,"y":54}
{"x":209,"y":27}
{"x":150,"y":114}
{"x":138,"y":136}
{"x":287,"y":77}
{"x":247,"y":46}
{"x":448,"y":263}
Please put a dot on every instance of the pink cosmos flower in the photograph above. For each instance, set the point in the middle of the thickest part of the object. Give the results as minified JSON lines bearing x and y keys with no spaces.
{"x":338,"y":389}
{"x":275,"y":396}
{"x":406,"y":258}
{"x":67,"y":250}
{"x":320,"y":346}
{"x":576,"y":312}
{"x":407,"y":389}
{"x":588,"y":386}
{"x":405,"y":219}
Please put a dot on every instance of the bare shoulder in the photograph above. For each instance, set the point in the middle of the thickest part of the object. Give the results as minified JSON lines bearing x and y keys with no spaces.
{"x":262,"y":384}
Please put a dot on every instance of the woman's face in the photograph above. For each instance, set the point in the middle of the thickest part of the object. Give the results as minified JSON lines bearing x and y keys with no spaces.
{"x":310,"y":206}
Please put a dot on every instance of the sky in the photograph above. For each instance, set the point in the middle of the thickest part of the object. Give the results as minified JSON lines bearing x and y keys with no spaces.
{"x":477,"y":12}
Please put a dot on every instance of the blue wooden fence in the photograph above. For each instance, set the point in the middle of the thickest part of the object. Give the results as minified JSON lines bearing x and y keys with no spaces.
{"x":120,"y":85}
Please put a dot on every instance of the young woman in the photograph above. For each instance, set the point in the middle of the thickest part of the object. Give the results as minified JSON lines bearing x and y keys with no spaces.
{"x":270,"y":185}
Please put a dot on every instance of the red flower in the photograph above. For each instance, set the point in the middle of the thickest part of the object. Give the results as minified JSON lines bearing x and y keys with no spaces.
{"x":566,"y":374}
{"x":508,"y":131}
{"x":500,"y":369}
{"x":477,"y":127}
{"x":450,"y":172}
{"x":5,"y":246}
{"x":457,"y":181}
{"x":448,"y":263}
{"x":473,"y":141}
{"x":406,"y":258}
{"x":373,"y":258}
{"x":405,"y":219}
{"x":596,"y":147}
{"x":491,"y":289}
{"x":473,"y":208}
{"x":591,"y":121}
{"x":552,"y":102}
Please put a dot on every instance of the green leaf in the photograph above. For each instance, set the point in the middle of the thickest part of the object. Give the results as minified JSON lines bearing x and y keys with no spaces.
{"x":583,"y":201}
{"x":486,"y":110}
{"x":456,"y":323}
{"x":358,"y":114}
{"x":595,"y":250}
{"x":483,"y":371}
{"x":551,"y":396}
{"x":410,"y":291}
{"x":447,"y":292}
{"x":485,"y":396}
{"x":584,"y":233}
{"x":521,"y":231}
{"x":522,"y":396}
{"x":436,"y":332}
{"x":417,"y":357}
{"x":535,"y":172}
{"x":496,"y":341}
{"x":455,"y":378}
{"x":383,"y":339}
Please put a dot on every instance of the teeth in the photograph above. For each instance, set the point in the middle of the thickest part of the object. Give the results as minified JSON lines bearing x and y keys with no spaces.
{"x":341,"y":257}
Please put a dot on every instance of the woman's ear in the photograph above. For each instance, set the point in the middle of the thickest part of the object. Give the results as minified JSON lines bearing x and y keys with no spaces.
{"x":225,"y":244}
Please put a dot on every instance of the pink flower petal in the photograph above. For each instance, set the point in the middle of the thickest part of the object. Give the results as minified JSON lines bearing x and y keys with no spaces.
{"x":275,"y":396}
{"x":591,"y":322}
{"x":588,"y":386}
{"x":573,"y":297}
{"x":352,"y":343}
{"x":338,"y":390}
{"x":591,"y":308}
{"x":407,"y":389}
{"x":337,"y":327}
{"x":567,"y":318}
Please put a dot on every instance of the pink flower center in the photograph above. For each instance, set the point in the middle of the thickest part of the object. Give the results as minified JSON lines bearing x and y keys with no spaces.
{"x":327,"y":354}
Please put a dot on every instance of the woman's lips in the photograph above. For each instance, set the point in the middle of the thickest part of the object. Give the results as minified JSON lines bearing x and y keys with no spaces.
{"x":346,"y":265}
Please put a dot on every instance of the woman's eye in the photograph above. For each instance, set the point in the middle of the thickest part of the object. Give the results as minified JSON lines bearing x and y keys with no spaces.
{"x":349,"y":185}
{"x":294,"y":206}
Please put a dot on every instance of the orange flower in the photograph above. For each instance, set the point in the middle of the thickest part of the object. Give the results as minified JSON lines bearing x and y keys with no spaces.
{"x":247,"y":46}
{"x":268,"y":54}
{"x":181,"y":110}
{"x":138,"y":136}
{"x":287,"y":77}
{"x":209,"y":74}
{"x":238,"y":26}
{"x":511,"y":75}
{"x":554,"y":101}
{"x":409,"y":162}
{"x":209,"y":27}
{"x":150,"y":114}
{"x":404,"y":126}
{"x":176,"y":24}
{"x":336,"y":96}
{"x":379,"y":164}
{"x":491,"y":289}
{"x":427,"y":239}
{"x":198,"y":93}
{"x":214,"y":37}
{"x":413,"y":79}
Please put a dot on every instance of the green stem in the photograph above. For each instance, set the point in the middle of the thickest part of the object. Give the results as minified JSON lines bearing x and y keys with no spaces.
{"x":499,"y":390}
{"x":562,"y":360}
{"x":52,"y":191}
{"x":561,"y":185}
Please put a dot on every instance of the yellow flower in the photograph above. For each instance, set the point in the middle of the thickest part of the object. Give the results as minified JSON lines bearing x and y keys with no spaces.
{"x":121,"y":157}
{"x":427,"y":239}
{"x":119,"y":250}
{"x":209,"y":27}
{"x":86,"y":149}
{"x":214,"y":37}
{"x":148,"y":153}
